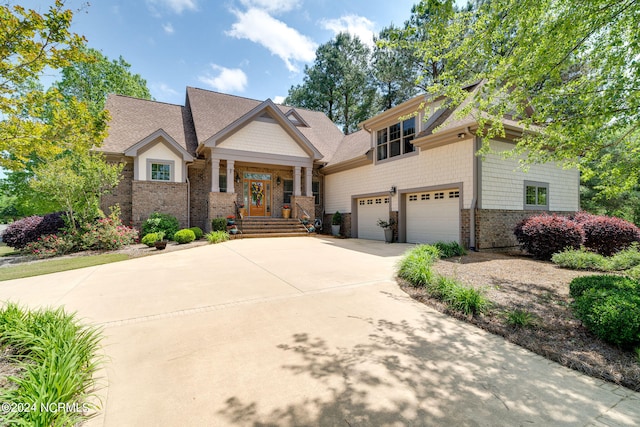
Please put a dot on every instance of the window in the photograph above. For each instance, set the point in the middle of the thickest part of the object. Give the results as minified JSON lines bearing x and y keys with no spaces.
{"x":396,"y":139}
{"x":160,"y":171}
{"x":454,"y":194}
{"x":287,"y":190}
{"x":315,"y":189}
{"x":536,"y":195}
{"x":223,"y":183}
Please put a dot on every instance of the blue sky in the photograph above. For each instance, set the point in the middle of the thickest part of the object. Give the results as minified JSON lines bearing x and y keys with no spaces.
{"x":253,"y":48}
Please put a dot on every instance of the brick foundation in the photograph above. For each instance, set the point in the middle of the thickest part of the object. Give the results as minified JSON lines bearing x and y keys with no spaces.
{"x":345,"y":229}
{"x":220,"y":205}
{"x":305,"y":202}
{"x":494,"y":227}
{"x":200,"y":183}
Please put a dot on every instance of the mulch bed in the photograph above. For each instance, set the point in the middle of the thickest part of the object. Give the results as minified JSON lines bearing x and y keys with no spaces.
{"x":514,"y":281}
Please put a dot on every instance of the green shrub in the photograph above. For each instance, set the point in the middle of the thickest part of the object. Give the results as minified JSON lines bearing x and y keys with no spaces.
{"x":217,"y":236}
{"x":150,"y":239}
{"x":219,"y":224}
{"x":520,"y":318}
{"x":415,"y":265}
{"x":198,"y":232}
{"x":336,"y":219}
{"x":467,"y":299}
{"x":442,"y":287}
{"x":184,"y":236}
{"x":580,"y":259}
{"x":451,"y":249}
{"x":625,"y":259}
{"x":105,"y":233}
{"x":57,"y":359}
{"x":161,"y":222}
{"x":612,"y":314}
{"x":581,"y":284}
{"x":633,"y":273}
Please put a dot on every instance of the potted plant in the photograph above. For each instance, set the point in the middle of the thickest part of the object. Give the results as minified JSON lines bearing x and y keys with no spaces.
{"x":243,"y":210}
{"x":233,"y":229}
{"x":161,"y":243}
{"x":286,"y":211}
{"x":231,"y":219}
{"x":336,"y":222}
{"x":305,"y":219}
{"x":388,"y":230}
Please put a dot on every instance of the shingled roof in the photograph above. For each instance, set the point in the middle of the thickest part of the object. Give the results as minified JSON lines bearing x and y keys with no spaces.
{"x":134,"y":119}
{"x":206,"y":113}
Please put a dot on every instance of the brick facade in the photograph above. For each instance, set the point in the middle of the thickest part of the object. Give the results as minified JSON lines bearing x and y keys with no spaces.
{"x":121,"y":195}
{"x":220,"y":205}
{"x":345,"y":229}
{"x":200,"y":183}
{"x":165,"y":197}
{"x":305,"y":203}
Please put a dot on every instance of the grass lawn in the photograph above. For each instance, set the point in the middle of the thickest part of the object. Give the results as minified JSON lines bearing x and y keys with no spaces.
{"x":6,"y":250}
{"x":55,"y":265}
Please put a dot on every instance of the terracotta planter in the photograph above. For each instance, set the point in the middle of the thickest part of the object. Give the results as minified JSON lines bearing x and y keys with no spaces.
{"x":286,"y":213}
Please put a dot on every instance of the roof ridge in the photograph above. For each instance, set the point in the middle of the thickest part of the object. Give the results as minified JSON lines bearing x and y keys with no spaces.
{"x":147,"y":100}
{"x":227,"y":94}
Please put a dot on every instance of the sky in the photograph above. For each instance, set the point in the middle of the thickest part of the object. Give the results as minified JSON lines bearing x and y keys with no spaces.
{"x":252,"y":48}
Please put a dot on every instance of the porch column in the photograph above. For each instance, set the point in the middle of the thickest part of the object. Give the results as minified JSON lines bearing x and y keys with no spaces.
{"x":308,"y":191}
{"x":215,"y":176}
{"x":231,"y":178}
{"x":296,"y":181}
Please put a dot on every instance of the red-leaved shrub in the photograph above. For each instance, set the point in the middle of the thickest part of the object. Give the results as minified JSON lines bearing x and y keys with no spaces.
{"x":26,"y":230}
{"x":607,"y":235}
{"x":544,"y":235}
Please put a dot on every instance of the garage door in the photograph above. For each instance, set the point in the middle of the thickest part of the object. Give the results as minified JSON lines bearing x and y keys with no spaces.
{"x":433,"y":216}
{"x":370,"y":210}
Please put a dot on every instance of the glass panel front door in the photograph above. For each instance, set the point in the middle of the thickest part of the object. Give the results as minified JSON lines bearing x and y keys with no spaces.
{"x":259,"y":197}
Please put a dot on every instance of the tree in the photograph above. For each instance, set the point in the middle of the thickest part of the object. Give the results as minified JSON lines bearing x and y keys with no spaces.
{"x":394,"y":72}
{"x":92,"y":78}
{"x":29,"y":43}
{"x":567,"y":71}
{"x":75,"y":183}
{"x":338,"y":83}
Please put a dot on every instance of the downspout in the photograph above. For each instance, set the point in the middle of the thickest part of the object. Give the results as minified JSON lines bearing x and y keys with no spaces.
{"x":188,"y":196}
{"x":474,"y":200}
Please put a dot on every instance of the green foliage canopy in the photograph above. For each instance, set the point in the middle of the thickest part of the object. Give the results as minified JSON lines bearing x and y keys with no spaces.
{"x":567,"y":71}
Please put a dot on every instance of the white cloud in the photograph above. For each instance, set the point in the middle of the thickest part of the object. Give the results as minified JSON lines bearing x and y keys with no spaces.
{"x":226,"y":79}
{"x":279,"y":99}
{"x":352,"y":24}
{"x":272,"y":6}
{"x":178,"y":6}
{"x":280,"y":39}
{"x":165,"y":93}
{"x":168,"y":28}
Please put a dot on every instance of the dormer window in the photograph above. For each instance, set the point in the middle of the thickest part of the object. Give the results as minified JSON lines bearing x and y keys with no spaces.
{"x":395,"y":140}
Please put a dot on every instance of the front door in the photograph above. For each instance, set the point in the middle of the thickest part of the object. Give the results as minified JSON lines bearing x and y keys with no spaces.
{"x":258,"y":200}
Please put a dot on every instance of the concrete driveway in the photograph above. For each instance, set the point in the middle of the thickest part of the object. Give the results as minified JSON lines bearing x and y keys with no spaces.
{"x":304,"y":331}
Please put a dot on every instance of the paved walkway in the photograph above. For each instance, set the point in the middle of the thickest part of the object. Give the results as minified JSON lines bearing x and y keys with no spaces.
{"x":305,"y":331}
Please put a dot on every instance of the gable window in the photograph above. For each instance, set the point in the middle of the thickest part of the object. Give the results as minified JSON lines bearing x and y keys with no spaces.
{"x":287,"y":189}
{"x":160,"y":171}
{"x":536,"y":195}
{"x":395,"y":140}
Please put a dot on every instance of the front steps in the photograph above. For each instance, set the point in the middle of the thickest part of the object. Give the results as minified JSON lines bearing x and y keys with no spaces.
{"x":270,"y":227}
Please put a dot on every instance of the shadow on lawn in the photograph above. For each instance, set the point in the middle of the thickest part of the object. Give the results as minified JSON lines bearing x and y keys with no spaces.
{"x":439,"y":374}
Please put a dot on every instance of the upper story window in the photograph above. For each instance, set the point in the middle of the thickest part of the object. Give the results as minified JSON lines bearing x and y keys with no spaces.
{"x":160,"y":171}
{"x":395,"y":140}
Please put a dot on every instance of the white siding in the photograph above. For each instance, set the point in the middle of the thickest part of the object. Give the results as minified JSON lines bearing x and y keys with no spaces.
{"x":503,"y":182}
{"x":264,"y":137}
{"x":438,"y":166}
{"x":158,"y":150}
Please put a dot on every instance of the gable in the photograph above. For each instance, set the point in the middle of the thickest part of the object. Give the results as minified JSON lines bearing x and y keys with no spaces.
{"x":263,"y":136}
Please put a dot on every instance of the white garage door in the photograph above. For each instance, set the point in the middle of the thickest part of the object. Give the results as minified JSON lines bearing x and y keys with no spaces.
{"x":433,"y":216}
{"x":370,"y":210}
